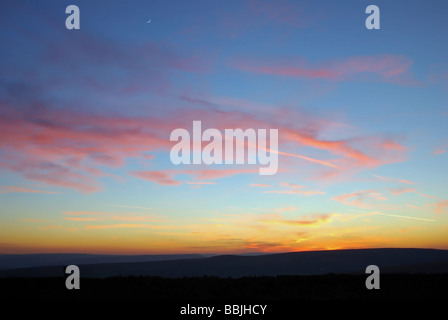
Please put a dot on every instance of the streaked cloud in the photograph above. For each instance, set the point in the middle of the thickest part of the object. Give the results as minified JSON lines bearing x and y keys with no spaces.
{"x":404,"y":217}
{"x":441,"y":206}
{"x":321,"y":162}
{"x":393,"y":179}
{"x":399,"y":191}
{"x":199,"y":182}
{"x":358,"y":199}
{"x":292,"y":185}
{"x":119,"y":226}
{"x":80,"y":219}
{"x":11,"y":189}
{"x":167,"y":177}
{"x":78,"y":213}
{"x":387,"y":68}
{"x":438,"y":151}
{"x":216,"y":174}
{"x":136,"y":218}
{"x":306,"y":193}
{"x":304,"y":221}
{"x":159,"y":177}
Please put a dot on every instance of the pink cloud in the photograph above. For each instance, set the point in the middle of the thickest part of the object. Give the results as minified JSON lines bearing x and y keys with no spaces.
{"x":305,"y":221}
{"x":77,"y":213}
{"x":65,"y":148}
{"x":341,"y":148}
{"x":389,"y":68}
{"x":216,"y":174}
{"x":10,"y":189}
{"x":102,"y":216}
{"x":357,"y":199}
{"x":73,"y":149}
{"x":292,"y":185}
{"x":119,"y":226}
{"x":427,"y":195}
{"x":159,"y":177}
{"x":306,"y":193}
{"x":317,"y":161}
{"x":393,"y":179}
{"x":441,"y":206}
{"x":392,"y":145}
{"x":199,"y":182}
{"x":136,"y":218}
{"x":402,"y":191}
{"x":439,"y":151}
{"x":80,"y":219}
{"x":167,"y":177}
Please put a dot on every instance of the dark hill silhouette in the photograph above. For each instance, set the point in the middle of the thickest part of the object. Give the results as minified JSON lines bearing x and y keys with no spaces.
{"x":14,"y":261}
{"x":431,"y":267}
{"x":294,"y":263}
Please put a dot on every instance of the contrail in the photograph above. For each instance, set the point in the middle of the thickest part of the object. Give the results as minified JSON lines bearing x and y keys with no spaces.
{"x":406,"y":217}
{"x":325,"y":163}
{"x":321,"y":162}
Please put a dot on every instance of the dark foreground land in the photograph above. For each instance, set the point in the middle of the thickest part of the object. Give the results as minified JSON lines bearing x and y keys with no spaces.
{"x":331,"y":286}
{"x":392,"y":261}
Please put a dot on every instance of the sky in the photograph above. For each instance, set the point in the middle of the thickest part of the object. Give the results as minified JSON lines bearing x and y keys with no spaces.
{"x":86,"y":117}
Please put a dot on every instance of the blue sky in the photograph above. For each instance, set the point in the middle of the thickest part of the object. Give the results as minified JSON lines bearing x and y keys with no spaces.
{"x":86,"y":117}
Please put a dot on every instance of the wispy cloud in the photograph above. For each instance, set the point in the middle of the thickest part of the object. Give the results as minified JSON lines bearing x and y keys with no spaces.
{"x":393,"y":179}
{"x":10,"y":189}
{"x":159,"y":177}
{"x":80,"y":219}
{"x":118,"y":226}
{"x":321,"y":162}
{"x":388,"y":68}
{"x":259,"y":185}
{"x":78,"y":213}
{"x":216,"y":174}
{"x":280,"y":210}
{"x":426,"y":195}
{"x":305,"y":221}
{"x":441,"y":206}
{"x":167,"y":177}
{"x":292,"y":185}
{"x":102,"y":216}
{"x":101,"y":141}
{"x":136,"y":218}
{"x":439,"y":151}
{"x":404,"y":217}
{"x":399,"y":191}
{"x":199,"y":182}
{"x":357,"y":199}
{"x":306,"y":193}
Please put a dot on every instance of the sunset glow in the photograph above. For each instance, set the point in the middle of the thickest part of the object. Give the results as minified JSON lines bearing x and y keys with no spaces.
{"x":86,"y":117}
